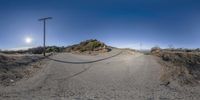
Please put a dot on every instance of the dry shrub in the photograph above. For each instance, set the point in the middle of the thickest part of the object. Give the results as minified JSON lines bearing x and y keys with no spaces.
{"x":156,"y":51}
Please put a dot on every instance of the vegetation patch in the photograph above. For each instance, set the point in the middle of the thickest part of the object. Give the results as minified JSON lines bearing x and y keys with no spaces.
{"x":35,"y":50}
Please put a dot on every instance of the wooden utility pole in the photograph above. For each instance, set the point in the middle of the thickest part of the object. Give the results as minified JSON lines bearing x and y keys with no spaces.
{"x":44,"y":36}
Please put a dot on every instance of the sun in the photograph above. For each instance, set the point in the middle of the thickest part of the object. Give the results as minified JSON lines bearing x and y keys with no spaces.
{"x":28,"y":40}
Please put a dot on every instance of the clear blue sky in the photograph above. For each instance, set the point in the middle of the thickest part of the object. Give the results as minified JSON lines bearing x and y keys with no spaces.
{"x":120,"y":23}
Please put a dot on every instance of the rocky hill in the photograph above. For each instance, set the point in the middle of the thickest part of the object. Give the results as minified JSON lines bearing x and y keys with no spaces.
{"x":91,"y":46}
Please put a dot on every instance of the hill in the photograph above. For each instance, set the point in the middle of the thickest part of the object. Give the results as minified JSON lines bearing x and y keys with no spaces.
{"x":91,"y":46}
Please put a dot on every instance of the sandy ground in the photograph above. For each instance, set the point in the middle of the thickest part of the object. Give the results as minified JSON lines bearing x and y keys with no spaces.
{"x":117,"y":75}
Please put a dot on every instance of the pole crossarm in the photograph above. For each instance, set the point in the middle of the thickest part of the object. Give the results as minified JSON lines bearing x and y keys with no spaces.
{"x":45,"y":18}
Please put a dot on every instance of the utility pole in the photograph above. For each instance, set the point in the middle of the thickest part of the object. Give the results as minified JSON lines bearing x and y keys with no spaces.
{"x":140,"y":46}
{"x":44,"y":36}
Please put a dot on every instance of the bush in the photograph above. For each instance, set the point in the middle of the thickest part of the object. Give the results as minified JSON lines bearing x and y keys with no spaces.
{"x":155,"y":49}
{"x":38,"y":50}
{"x":92,"y":45}
{"x":165,"y":57}
{"x":53,"y":49}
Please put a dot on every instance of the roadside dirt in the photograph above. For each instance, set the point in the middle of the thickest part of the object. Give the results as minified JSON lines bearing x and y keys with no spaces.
{"x":14,"y":67}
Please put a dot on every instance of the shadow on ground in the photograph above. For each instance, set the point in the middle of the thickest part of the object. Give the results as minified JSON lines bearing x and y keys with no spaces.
{"x":85,"y":62}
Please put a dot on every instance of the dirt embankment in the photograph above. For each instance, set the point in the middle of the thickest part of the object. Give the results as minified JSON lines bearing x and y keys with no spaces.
{"x":181,"y":66}
{"x":14,"y":67}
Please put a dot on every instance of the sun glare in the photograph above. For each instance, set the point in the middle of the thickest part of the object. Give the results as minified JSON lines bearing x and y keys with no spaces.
{"x":28,"y":40}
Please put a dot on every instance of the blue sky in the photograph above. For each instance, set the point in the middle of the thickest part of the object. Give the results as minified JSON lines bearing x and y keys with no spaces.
{"x":120,"y":23}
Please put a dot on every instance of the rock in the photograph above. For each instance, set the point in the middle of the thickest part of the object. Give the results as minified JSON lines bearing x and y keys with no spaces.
{"x":11,"y":80}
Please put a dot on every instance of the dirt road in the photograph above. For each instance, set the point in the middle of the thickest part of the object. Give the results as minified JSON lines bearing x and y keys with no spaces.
{"x":117,"y":75}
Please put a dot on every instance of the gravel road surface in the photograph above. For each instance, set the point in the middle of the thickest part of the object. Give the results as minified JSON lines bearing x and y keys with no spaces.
{"x":117,"y":75}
